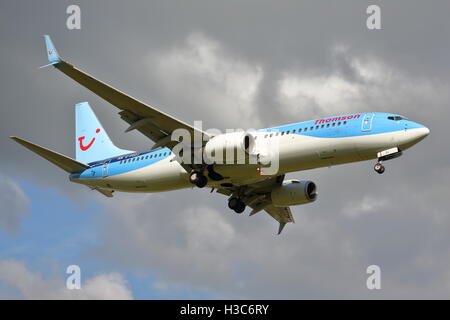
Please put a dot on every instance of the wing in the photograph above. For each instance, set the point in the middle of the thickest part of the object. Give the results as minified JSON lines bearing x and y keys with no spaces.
{"x":257,"y":197}
{"x":151,"y":122}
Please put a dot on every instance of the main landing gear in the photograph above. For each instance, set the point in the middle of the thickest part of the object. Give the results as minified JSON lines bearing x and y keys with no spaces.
{"x":236,"y":204}
{"x":198,"y":178}
{"x":379,"y":168}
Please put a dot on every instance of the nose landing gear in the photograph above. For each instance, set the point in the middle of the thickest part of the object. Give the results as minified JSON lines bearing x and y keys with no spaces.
{"x":385,"y":155}
{"x":379,"y":168}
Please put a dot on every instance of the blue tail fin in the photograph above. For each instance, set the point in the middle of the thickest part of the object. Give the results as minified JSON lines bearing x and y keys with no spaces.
{"x":92,"y":141}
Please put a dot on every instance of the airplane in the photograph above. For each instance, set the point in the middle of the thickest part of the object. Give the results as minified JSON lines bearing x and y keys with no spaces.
{"x":324,"y":142}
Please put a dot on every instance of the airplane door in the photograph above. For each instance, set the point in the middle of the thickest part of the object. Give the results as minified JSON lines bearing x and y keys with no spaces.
{"x":105,"y":169}
{"x":366,"y":124}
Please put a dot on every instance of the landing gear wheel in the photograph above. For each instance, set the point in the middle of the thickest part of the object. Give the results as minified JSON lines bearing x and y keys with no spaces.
{"x":198,"y":179}
{"x":233,"y":203}
{"x":236,"y":204}
{"x":240,"y":207}
{"x":379,"y":168}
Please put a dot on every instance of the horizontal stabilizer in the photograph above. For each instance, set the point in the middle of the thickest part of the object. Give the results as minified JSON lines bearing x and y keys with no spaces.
{"x":65,"y":163}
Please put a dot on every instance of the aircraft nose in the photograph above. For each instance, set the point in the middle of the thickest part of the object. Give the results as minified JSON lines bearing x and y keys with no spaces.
{"x":413,"y":133}
{"x":424,"y":132}
{"x":419,"y":133}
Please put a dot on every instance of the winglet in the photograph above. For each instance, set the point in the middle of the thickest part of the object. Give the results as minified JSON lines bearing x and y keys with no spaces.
{"x":52,"y":54}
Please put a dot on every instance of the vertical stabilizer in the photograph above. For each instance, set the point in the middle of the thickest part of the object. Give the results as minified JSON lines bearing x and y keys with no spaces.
{"x":92,"y":142}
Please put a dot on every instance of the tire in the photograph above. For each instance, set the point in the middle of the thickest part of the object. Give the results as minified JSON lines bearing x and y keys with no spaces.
{"x":202,"y":181}
{"x":233,"y":203}
{"x":240,"y":208}
{"x":379,"y":168}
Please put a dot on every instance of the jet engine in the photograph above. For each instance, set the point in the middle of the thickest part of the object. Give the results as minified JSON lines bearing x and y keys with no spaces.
{"x":230,"y":147}
{"x":294,"y":192}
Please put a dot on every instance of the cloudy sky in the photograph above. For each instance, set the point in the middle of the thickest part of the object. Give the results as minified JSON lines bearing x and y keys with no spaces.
{"x":246,"y":64}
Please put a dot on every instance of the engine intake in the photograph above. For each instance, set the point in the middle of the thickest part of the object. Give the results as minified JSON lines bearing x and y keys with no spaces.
{"x":294,"y":192}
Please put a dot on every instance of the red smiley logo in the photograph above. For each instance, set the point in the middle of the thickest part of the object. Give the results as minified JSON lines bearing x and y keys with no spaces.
{"x":80,"y":140}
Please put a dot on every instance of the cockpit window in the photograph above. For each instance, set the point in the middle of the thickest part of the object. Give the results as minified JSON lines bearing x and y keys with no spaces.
{"x":396,"y":118}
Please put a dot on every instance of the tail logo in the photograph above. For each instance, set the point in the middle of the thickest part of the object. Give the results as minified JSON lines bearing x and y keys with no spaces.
{"x":83,"y":147}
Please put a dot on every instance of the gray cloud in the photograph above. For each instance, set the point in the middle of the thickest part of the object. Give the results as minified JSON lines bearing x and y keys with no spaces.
{"x":299,"y":60}
{"x":14,"y":205}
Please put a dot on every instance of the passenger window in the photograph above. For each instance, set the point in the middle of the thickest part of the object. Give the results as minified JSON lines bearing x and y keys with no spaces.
{"x":271,"y":135}
{"x":282,"y":133}
{"x":306,"y":129}
{"x":266,"y":136}
{"x":334,"y":123}
{"x":165,"y":154}
{"x":339,"y":123}
{"x":322,"y":126}
{"x":328,"y":125}
{"x":300,"y":130}
{"x":345,"y":122}
{"x":293,"y":131}
{"x":311,"y":128}
{"x":287,"y":132}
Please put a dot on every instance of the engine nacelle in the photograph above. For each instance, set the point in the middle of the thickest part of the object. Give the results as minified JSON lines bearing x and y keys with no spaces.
{"x":230,"y":147}
{"x":294,"y":192}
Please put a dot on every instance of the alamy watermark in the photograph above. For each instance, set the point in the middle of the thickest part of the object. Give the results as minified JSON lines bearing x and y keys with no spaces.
{"x":198,"y":148}
{"x":374,"y":280}
{"x":73,"y":281}
{"x":235,"y":146}
{"x":373,"y":21}
{"x":73,"y":21}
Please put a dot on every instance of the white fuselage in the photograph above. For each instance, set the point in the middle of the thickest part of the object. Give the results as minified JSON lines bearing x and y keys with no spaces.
{"x":296,"y":152}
